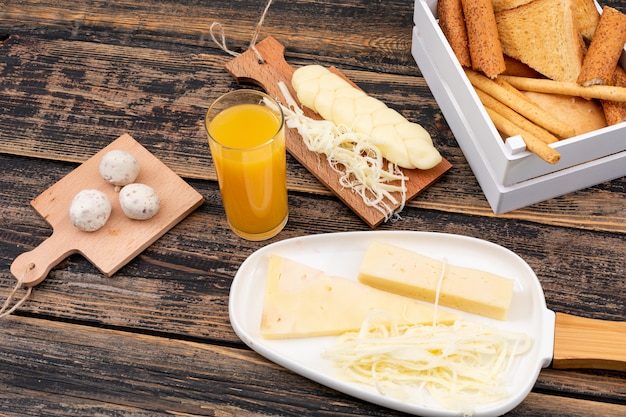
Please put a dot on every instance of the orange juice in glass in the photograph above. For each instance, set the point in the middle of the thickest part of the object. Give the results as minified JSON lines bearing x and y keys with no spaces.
{"x":247,"y":142}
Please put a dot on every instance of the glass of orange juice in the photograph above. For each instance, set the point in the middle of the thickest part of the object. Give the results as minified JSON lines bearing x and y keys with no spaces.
{"x":247,"y":142}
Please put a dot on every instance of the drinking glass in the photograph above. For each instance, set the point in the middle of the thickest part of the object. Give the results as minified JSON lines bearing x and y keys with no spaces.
{"x":247,"y":142}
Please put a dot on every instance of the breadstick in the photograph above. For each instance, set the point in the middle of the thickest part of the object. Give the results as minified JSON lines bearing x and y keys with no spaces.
{"x":511,"y":115}
{"x":507,"y":86}
{"x":523,"y":107}
{"x":452,"y":22}
{"x":615,"y":112}
{"x":605,"y":49}
{"x":601,"y":92}
{"x":533,"y":144}
{"x":484,"y":41}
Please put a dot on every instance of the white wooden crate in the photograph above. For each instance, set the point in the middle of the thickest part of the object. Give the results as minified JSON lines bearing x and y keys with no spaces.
{"x":510,"y":178}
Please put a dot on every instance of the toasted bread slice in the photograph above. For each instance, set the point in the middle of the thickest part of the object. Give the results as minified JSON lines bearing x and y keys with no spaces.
{"x":544,"y":35}
{"x":587,"y":16}
{"x":500,"y":5}
{"x":585,"y":12}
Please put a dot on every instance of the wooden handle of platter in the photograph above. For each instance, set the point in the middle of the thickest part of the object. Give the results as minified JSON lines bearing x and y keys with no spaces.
{"x":589,"y":343}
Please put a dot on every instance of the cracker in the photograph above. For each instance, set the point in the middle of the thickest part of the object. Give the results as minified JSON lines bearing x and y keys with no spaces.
{"x":452,"y":23}
{"x":584,"y":115}
{"x":615,"y":112}
{"x":605,"y":49}
{"x":484,"y":41}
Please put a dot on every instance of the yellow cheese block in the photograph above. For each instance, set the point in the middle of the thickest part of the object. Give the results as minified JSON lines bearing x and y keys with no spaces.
{"x":301,"y":301}
{"x":407,"y":273}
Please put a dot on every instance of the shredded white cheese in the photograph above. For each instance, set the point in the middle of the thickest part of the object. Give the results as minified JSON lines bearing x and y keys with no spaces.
{"x":355,"y":156}
{"x":461,"y":366}
{"x":438,"y":292}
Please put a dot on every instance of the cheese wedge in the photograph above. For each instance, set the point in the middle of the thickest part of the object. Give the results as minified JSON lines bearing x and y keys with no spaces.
{"x":301,"y":301}
{"x":404,"y":272}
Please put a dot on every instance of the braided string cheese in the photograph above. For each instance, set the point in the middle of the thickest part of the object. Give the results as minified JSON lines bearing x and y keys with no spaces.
{"x":403,"y":143}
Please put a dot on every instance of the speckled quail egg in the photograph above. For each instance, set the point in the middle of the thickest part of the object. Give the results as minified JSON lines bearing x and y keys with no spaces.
{"x":119,"y":167}
{"x":139,"y":201}
{"x":90,"y":210}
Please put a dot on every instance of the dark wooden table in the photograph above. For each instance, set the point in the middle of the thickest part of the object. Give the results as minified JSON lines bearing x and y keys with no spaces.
{"x":155,"y":339}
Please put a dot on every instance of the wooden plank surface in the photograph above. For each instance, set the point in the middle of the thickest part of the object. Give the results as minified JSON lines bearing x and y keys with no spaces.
{"x":177,"y":292}
{"x":155,"y":339}
{"x":164,"y":93}
{"x":223,"y":380}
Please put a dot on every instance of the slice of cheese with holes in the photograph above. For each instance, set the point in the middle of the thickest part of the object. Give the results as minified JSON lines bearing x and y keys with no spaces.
{"x":301,"y":301}
{"x":404,"y":272}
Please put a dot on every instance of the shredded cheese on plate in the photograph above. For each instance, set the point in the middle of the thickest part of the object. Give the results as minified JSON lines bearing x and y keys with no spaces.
{"x":461,"y":366}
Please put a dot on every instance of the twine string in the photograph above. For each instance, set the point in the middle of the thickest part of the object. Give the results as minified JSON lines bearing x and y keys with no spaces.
{"x":5,"y":310}
{"x":221,"y":42}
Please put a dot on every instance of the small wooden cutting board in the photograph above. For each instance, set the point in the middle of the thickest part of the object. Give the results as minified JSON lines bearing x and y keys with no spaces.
{"x":247,"y":68}
{"x":121,"y":238}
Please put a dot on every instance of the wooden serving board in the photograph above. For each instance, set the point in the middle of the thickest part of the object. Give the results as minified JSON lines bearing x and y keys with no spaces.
{"x":121,"y":238}
{"x":247,"y":68}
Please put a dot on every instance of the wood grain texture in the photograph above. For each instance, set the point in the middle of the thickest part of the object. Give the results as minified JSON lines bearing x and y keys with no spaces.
{"x":178,"y":288}
{"x":310,"y":26}
{"x":71,"y":102}
{"x":194,"y":263}
{"x":580,"y":342}
{"x":111,"y":379}
{"x":155,"y":338}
